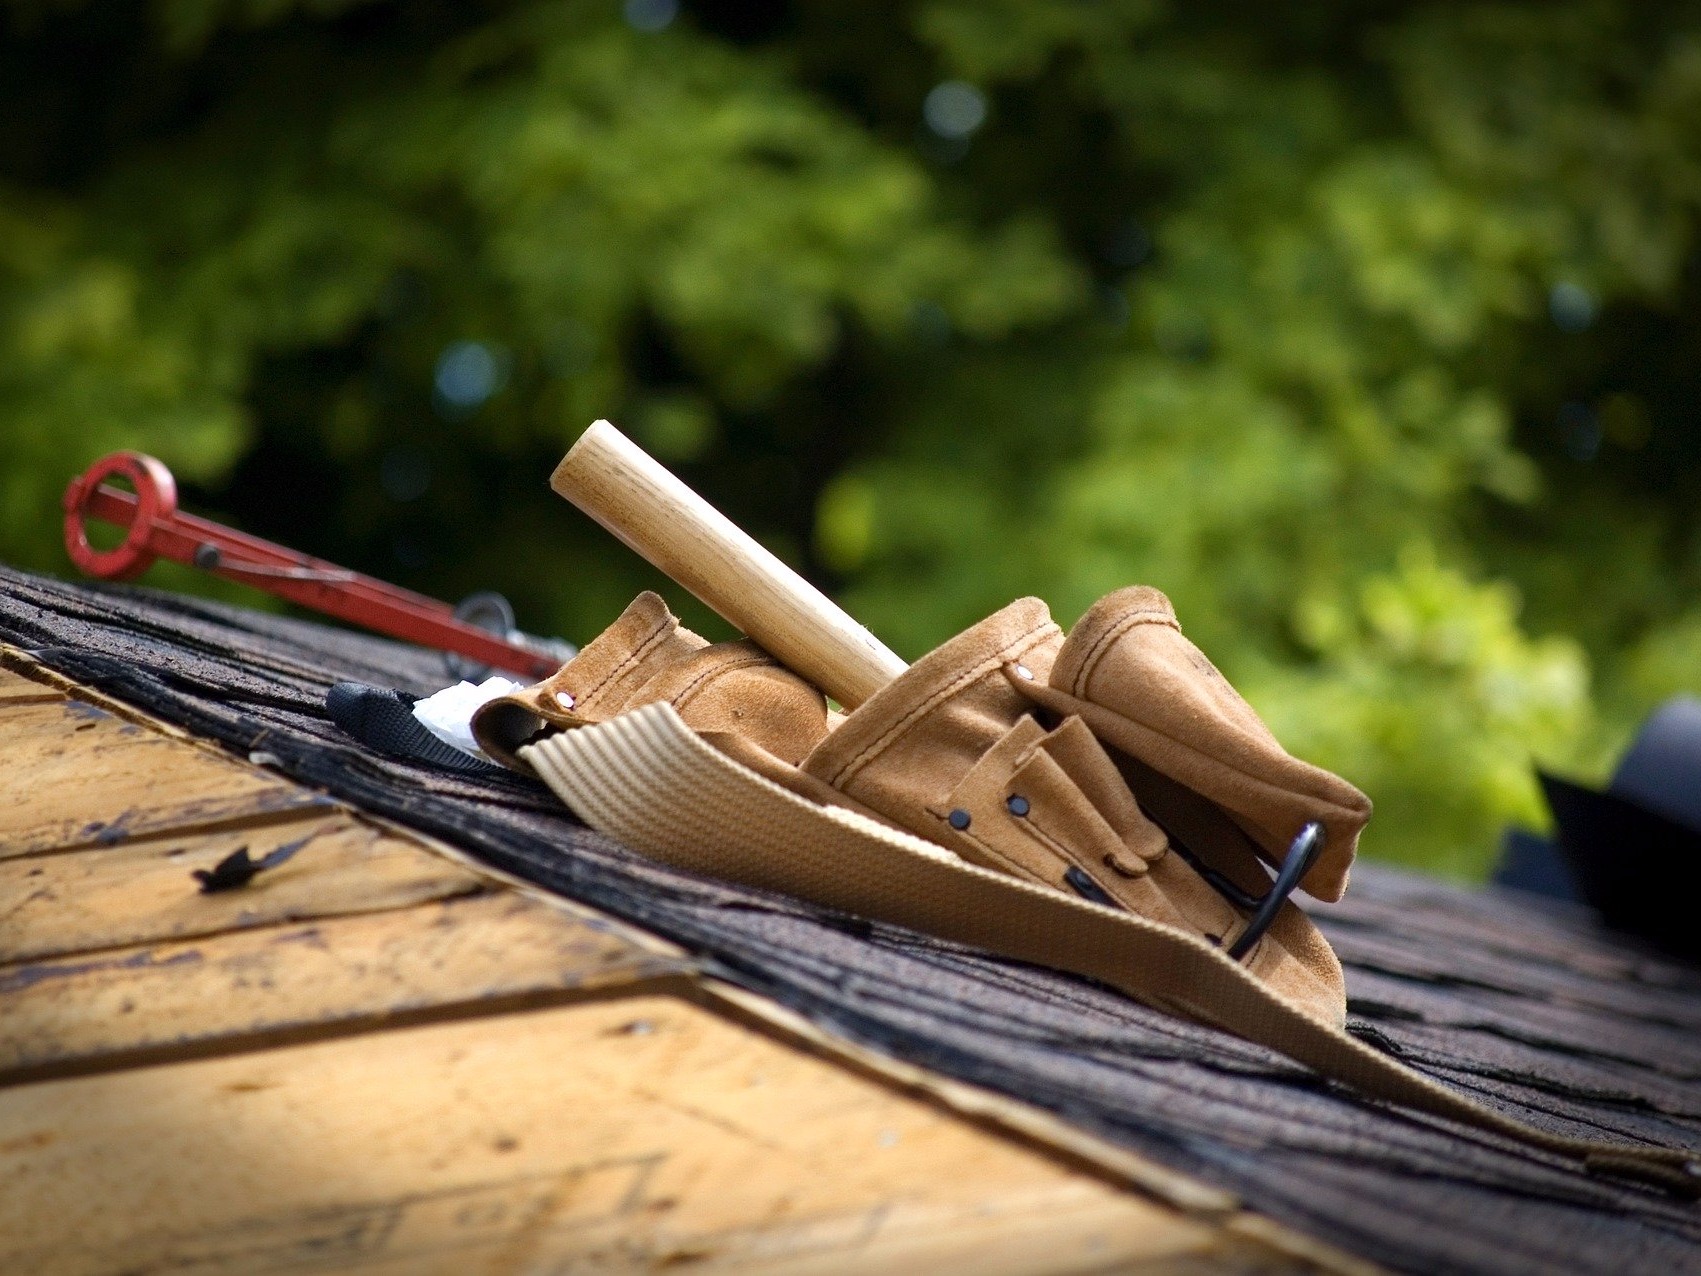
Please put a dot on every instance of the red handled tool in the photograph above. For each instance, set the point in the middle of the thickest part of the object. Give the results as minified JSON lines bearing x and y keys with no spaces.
{"x":156,"y":529}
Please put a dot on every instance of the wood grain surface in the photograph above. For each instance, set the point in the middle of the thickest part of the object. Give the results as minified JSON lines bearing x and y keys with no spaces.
{"x":144,"y":891}
{"x":640,"y":1134}
{"x":1532,"y":1005}
{"x":377,"y":1058}
{"x":77,"y":775}
{"x":16,"y":689}
{"x":470,"y":955}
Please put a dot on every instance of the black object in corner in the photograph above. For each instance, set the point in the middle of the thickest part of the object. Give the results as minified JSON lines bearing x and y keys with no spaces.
{"x":1632,"y":847}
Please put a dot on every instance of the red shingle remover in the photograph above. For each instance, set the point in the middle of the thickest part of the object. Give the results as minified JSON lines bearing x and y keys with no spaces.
{"x":480,"y":629}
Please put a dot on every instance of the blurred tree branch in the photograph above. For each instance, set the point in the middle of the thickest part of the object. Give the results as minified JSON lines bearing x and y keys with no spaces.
{"x":1368,"y":331}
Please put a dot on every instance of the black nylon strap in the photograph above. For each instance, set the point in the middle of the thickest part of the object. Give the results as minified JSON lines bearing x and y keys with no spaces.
{"x":382,"y":719}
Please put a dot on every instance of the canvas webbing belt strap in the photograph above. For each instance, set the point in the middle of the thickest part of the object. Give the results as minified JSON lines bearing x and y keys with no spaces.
{"x":648,"y":780}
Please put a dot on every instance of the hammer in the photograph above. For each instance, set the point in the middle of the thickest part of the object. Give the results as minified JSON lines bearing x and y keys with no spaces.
{"x":635,"y":497}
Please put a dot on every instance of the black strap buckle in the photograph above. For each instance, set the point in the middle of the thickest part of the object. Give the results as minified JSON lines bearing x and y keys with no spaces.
{"x":1302,"y":854}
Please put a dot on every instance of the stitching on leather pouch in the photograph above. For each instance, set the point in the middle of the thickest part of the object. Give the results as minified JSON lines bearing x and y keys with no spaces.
{"x":1090,"y":662}
{"x":1009,"y":652}
{"x":1014,"y":868}
{"x":1056,"y":846}
{"x":1035,"y":828}
{"x":1331,"y":808}
{"x":696,"y":684}
{"x":637,"y":654}
{"x":1267,"y":785}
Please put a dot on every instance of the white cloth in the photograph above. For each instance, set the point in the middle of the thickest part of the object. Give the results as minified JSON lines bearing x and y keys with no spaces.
{"x":448,"y":714}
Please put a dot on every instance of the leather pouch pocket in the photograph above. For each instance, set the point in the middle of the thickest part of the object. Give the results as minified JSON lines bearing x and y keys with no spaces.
{"x":1146,"y":691}
{"x":645,"y":657}
{"x":952,"y":751}
{"x":1050,"y":807}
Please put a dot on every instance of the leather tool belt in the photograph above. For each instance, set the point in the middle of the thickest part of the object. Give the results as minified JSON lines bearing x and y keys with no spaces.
{"x":1102,"y":802}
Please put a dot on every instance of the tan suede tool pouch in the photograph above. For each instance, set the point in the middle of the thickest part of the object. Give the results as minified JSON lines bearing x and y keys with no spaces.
{"x":1031,"y":844}
{"x":646,"y":778}
{"x":952,"y":751}
{"x":1153,"y":697}
{"x":647,"y":657}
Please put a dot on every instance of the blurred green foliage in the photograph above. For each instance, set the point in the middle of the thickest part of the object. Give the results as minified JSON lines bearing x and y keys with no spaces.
{"x":1368,"y":331}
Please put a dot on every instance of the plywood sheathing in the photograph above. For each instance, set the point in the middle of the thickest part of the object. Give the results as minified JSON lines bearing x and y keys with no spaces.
{"x":1550,"y":1016}
{"x":381,"y":1057}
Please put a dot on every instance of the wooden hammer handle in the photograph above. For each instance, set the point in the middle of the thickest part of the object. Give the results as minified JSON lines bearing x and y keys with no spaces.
{"x":622,"y":487}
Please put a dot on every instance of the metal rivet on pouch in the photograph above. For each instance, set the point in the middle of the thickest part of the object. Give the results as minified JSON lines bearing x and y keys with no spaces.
{"x":958,"y":819}
{"x":564,"y":699}
{"x":1024,"y":673}
{"x":1017,"y":803}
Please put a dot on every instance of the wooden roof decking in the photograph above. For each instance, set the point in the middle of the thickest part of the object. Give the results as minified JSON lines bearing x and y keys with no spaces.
{"x":1534,"y":1009}
{"x":375,"y":1058}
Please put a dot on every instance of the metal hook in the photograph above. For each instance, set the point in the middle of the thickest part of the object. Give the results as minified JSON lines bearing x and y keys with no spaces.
{"x":1303,"y":851}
